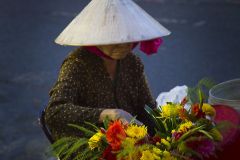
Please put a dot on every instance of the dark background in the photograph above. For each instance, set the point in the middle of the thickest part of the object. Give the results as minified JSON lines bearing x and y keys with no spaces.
{"x":204,"y":43}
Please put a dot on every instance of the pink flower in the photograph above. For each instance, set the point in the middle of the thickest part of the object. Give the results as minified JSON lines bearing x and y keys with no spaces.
{"x":151,"y":46}
{"x":177,"y":135}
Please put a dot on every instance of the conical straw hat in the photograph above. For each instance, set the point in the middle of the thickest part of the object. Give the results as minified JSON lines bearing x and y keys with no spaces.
{"x":104,"y":22}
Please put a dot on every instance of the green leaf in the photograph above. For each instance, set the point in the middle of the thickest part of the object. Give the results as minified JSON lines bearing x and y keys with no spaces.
{"x":200,"y":95}
{"x":160,"y":126}
{"x":60,"y":147}
{"x":206,"y":82}
{"x":217,"y":136}
{"x":75,"y":147}
{"x":190,"y":132}
{"x":61,"y":142}
{"x":106,"y":122}
{"x":84,"y":155}
{"x":96,"y":156}
{"x":92,"y":125}
{"x":169,"y":125}
{"x":86,"y":131}
{"x":206,"y":134}
{"x":193,"y":95}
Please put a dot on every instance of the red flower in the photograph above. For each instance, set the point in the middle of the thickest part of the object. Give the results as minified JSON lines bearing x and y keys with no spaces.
{"x":115,"y":134}
{"x":156,"y":139}
{"x":108,"y":155}
{"x":196,"y":111}
{"x":184,"y":101}
{"x":103,"y":131}
{"x":140,"y":142}
{"x":177,"y":135}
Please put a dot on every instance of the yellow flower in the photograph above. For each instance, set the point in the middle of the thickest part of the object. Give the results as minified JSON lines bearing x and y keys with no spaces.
{"x":147,"y":155}
{"x":167,"y":156}
{"x":156,"y":157}
{"x":95,"y":140}
{"x":173,"y":131}
{"x":166,"y":143}
{"x":129,"y":142}
{"x":157,"y":150}
{"x":170,"y":110}
{"x":208,"y":110}
{"x":185,"y":126}
{"x":158,"y":144}
{"x":168,"y":139}
{"x":135,"y":131}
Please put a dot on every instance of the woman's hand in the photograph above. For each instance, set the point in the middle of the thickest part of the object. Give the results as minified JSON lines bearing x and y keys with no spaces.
{"x":120,"y":114}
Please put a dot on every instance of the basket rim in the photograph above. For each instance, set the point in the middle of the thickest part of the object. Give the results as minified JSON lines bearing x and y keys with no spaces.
{"x":223,"y":83}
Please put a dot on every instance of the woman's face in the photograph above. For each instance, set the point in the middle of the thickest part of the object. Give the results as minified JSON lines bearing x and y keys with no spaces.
{"x":116,"y":51}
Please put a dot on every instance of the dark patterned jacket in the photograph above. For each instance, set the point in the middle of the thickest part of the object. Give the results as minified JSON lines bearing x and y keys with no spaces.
{"x":84,"y":89}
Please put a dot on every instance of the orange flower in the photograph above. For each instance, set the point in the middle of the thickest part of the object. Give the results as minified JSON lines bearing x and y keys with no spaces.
{"x":115,"y":134}
{"x":183,"y":114}
{"x":197,"y":111}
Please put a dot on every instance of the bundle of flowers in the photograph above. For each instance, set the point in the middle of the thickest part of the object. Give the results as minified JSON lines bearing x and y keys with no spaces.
{"x":183,"y":130}
{"x":186,"y":133}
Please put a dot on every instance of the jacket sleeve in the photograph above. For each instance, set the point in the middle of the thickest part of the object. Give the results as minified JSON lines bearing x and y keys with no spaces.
{"x":65,"y":105}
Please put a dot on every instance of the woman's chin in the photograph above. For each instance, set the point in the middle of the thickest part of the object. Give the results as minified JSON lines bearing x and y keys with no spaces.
{"x":118,"y":57}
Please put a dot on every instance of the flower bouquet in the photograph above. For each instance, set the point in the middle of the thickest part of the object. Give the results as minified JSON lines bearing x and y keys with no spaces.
{"x":183,"y":131}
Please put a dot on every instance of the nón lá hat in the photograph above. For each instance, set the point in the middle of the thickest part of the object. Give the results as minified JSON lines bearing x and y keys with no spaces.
{"x":104,"y":22}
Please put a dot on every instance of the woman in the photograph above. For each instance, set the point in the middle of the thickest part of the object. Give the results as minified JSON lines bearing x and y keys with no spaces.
{"x":103,"y":77}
